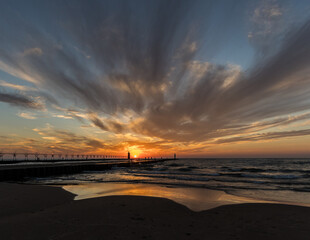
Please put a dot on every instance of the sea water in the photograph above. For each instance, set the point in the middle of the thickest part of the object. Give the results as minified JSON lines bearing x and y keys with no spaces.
{"x":285,"y":180}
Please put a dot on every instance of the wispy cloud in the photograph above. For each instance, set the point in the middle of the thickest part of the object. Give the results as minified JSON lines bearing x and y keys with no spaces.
{"x":33,"y":51}
{"x":27,"y":115}
{"x":267,"y":26}
{"x":265,"y":136}
{"x":21,"y":101}
{"x":16,"y":86}
{"x":66,"y":141}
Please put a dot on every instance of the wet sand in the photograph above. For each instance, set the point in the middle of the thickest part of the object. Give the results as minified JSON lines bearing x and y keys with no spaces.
{"x":196,"y":199}
{"x":41,"y":212}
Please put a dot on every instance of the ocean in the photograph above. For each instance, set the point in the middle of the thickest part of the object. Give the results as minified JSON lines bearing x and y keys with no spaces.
{"x":286,"y":180}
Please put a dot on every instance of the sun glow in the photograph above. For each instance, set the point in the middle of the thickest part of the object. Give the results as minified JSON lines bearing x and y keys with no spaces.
{"x":135,"y":156}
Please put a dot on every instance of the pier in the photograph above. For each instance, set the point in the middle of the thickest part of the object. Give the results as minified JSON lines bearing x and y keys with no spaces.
{"x":8,"y":157}
{"x":16,"y":168}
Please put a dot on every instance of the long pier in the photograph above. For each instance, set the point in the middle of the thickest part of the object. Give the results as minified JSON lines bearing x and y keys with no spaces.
{"x":22,"y":170}
{"x":13,"y":156}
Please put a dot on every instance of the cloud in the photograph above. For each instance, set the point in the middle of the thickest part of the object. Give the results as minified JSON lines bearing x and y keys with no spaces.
{"x":33,"y":51}
{"x":267,"y":25}
{"x":27,"y":115}
{"x":126,"y":72}
{"x":66,"y":141}
{"x":52,"y":140}
{"x":98,"y":123}
{"x":62,"y":116}
{"x":16,"y":86}
{"x":109,"y":125}
{"x":265,"y":136}
{"x":21,"y":101}
{"x":273,"y":88}
{"x":149,"y":61}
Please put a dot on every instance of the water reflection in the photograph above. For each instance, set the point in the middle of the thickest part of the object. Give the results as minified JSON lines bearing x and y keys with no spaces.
{"x":194,"y":198}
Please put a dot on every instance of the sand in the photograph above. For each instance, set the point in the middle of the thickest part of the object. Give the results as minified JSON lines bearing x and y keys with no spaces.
{"x":42,"y":212}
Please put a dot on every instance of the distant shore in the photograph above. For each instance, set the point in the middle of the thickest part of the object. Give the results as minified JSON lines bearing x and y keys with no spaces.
{"x":43,"y":212}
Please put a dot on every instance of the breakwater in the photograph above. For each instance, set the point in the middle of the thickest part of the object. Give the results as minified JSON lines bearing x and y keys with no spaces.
{"x":25,"y":169}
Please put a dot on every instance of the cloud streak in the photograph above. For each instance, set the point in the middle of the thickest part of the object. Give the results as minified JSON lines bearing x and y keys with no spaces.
{"x":265,"y":136}
{"x":20,"y":101}
{"x":62,"y":140}
{"x":275,"y":87}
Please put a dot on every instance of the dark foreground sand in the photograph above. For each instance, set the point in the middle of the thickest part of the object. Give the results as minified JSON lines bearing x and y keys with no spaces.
{"x":40,"y":212}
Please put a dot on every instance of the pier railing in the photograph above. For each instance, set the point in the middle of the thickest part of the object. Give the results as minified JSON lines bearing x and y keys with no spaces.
{"x":11,"y":157}
{"x":54,"y":156}
{"x":22,"y":170}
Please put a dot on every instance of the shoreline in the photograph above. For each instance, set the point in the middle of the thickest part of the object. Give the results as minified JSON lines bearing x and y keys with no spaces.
{"x":43,"y":212}
{"x":228,"y":198}
{"x":196,"y":199}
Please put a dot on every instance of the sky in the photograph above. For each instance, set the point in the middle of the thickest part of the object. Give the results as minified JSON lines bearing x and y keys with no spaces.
{"x":199,"y":78}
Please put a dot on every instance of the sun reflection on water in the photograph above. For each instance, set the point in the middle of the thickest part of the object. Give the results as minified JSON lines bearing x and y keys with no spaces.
{"x":194,"y":198}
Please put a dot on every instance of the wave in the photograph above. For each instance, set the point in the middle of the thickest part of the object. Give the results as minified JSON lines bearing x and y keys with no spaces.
{"x":233,"y":175}
{"x":259,"y":174}
{"x":272,"y":176}
{"x":169,"y":172}
{"x":185,"y":169}
{"x":224,"y":180}
{"x":264,"y":170}
{"x":175,"y":165}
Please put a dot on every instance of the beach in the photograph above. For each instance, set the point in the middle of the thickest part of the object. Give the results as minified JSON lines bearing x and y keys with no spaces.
{"x":45,"y":212}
